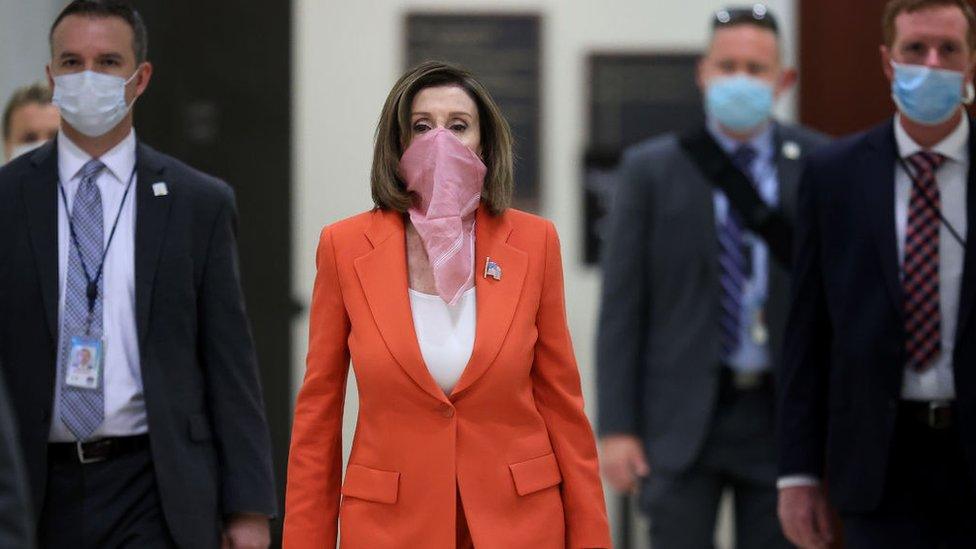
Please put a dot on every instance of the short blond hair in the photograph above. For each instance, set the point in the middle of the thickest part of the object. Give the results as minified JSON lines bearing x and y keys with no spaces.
{"x":38,"y":94}
{"x":393,"y":130}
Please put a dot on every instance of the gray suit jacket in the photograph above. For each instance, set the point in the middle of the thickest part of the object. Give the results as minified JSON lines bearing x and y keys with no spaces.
{"x":658,"y":344}
{"x":16,"y":528}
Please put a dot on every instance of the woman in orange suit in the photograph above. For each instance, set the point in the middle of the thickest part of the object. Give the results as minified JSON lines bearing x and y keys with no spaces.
{"x":471,"y":430}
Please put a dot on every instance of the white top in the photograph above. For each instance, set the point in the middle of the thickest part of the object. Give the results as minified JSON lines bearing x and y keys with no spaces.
{"x":125,"y":407}
{"x":445,"y":333}
{"x":936,"y":382}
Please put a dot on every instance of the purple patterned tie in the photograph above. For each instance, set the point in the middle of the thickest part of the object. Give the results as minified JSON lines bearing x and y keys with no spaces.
{"x":733,"y":265}
{"x":83,"y":410}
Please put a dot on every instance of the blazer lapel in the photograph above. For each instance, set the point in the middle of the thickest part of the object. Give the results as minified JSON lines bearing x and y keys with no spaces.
{"x":496,"y":299}
{"x":788,"y":154}
{"x":878,"y":177}
{"x":383,"y":275}
{"x":152,"y":213}
{"x":41,"y":202}
{"x":967,"y":296}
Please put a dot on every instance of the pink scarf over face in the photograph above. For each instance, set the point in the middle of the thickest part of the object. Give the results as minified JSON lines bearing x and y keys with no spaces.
{"x":447,"y":178}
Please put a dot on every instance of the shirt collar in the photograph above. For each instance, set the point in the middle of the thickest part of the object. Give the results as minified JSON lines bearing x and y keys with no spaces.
{"x":762,"y":142}
{"x":953,"y":147}
{"x":120,"y":160}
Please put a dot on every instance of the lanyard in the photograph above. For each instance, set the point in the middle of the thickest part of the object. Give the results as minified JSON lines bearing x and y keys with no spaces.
{"x":92,"y":286}
{"x":930,"y":204}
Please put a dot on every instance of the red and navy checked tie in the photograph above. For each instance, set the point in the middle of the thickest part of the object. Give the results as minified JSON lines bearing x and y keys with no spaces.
{"x":920,"y":282}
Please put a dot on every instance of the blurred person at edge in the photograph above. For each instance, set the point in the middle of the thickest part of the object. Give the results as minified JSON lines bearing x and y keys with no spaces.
{"x":471,"y":430}
{"x":29,"y":120}
{"x":694,"y":299}
{"x":878,"y":388}
{"x":113,"y":248}
{"x":16,"y":517}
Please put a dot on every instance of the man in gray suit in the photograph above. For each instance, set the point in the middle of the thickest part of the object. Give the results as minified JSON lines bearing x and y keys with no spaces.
{"x":16,"y":528}
{"x":694,"y":299}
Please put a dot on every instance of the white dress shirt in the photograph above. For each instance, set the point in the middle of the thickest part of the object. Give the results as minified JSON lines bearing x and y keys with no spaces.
{"x":935,"y":383}
{"x":125,"y":410}
{"x":445,"y":334}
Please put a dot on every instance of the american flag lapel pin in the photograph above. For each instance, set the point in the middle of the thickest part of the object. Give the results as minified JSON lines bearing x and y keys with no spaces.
{"x":492,"y":269}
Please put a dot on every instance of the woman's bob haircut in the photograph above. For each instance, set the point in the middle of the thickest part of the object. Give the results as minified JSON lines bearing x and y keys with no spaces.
{"x":394,"y":130}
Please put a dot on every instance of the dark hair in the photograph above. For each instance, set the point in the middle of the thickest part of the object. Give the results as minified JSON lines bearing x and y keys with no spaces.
{"x":393,"y":132}
{"x":110,"y":8}
{"x":894,"y":8}
{"x":38,"y":94}
{"x":757,"y":15}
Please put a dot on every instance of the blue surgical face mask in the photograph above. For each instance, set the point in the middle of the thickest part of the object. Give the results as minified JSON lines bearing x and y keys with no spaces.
{"x":927,"y":95}
{"x":739,"y":103}
{"x":24,"y":148}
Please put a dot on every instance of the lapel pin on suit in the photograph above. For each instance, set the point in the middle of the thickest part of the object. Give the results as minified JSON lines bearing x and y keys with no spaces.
{"x":492,"y":269}
{"x":160,"y":189}
{"x":791,"y":150}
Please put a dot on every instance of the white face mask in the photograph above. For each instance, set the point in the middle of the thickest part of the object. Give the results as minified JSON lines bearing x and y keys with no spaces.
{"x":92,"y":102}
{"x":24,"y":148}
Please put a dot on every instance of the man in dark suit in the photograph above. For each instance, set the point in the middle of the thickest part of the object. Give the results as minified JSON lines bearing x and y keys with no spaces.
{"x":878,"y":393}
{"x":116,"y":252}
{"x":16,"y":526}
{"x":694,"y":299}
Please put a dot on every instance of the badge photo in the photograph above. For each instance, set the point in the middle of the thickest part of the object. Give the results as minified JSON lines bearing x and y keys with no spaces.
{"x":84,"y":363}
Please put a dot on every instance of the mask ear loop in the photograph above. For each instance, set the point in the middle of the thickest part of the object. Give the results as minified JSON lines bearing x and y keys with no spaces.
{"x":970,"y":94}
{"x":129,"y":106}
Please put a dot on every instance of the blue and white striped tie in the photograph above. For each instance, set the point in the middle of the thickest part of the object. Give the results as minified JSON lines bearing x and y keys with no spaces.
{"x":83,"y":410}
{"x":733,"y":266}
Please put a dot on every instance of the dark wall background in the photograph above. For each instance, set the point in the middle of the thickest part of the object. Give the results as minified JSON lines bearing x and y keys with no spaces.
{"x":842,"y":88}
{"x":220,"y":100}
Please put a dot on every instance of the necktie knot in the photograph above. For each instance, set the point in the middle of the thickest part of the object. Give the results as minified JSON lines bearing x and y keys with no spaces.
{"x":91,"y":169}
{"x":926,"y":162}
{"x":743,"y":157}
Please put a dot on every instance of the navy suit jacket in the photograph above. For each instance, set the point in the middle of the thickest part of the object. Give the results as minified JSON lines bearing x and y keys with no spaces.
{"x":844,"y":347}
{"x":210,"y":442}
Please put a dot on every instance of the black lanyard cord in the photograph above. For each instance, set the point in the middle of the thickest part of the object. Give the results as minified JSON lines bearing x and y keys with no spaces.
{"x":92,"y":288}
{"x":928,"y":201}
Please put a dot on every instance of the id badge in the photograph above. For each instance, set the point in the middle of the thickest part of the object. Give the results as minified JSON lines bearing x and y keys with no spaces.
{"x":758,"y":330}
{"x":84,"y":363}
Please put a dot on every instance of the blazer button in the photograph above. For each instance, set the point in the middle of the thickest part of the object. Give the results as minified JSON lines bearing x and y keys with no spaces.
{"x":447,"y":411}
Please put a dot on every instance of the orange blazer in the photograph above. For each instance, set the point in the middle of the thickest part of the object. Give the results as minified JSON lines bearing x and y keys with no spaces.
{"x":511,"y":439}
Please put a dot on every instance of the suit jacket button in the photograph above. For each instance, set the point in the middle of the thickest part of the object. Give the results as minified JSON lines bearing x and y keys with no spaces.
{"x":447,"y":411}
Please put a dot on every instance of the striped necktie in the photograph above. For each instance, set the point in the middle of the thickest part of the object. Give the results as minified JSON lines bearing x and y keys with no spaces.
{"x":920,"y":279}
{"x":733,"y":260}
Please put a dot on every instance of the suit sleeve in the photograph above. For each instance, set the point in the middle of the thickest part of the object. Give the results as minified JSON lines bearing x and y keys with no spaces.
{"x":805,"y":368}
{"x":236,"y":403}
{"x":623,"y":309}
{"x":16,"y":528}
{"x":559,"y":398}
{"x":315,"y":461}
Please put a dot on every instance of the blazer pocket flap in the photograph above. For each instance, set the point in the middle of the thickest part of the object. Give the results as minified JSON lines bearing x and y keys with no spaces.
{"x":535,"y":474}
{"x":371,"y":484}
{"x":200,"y":428}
